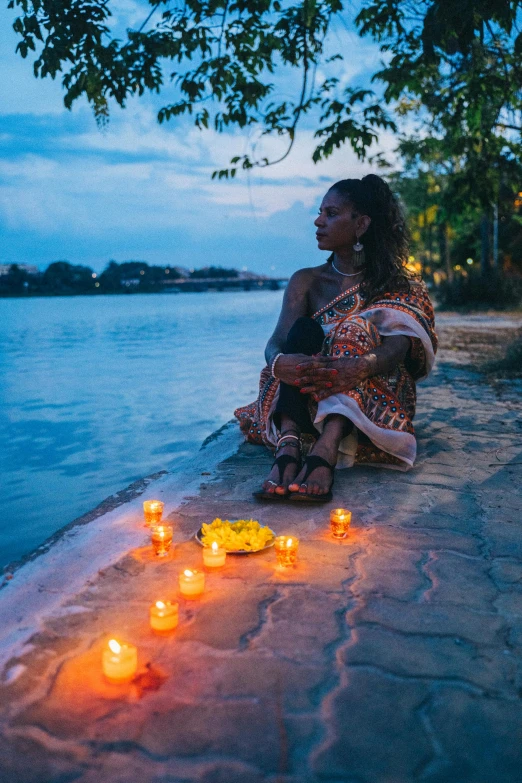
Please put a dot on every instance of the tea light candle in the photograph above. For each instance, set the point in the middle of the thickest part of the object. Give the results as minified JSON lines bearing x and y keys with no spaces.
{"x":340,"y":519}
{"x":191,"y":583}
{"x":161,"y":536}
{"x":164,"y":616}
{"x":120,"y":661}
{"x":286,"y":550}
{"x":214,"y":556}
{"x":153,"y":511}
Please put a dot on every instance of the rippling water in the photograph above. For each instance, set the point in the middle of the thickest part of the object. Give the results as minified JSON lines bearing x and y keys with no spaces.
{"x":97,"y":392}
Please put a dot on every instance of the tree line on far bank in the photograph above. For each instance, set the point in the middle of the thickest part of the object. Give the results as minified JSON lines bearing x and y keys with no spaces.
{"x":62,"y":278}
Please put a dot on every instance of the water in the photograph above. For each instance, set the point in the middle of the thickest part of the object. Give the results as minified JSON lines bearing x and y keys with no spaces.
{"x":97,"y":392}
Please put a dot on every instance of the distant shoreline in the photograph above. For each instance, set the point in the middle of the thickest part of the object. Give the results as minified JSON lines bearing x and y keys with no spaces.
{"x":62,"y":278}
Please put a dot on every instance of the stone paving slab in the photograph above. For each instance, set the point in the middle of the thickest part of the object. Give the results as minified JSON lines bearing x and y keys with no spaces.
{"x":393,"y":656}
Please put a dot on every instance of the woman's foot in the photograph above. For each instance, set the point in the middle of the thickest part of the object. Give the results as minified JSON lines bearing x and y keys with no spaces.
{"x":289,"y":446}
{"x":320,"y":480}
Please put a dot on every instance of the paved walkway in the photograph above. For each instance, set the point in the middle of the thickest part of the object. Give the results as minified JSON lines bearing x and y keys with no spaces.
{"x":394,"y":656}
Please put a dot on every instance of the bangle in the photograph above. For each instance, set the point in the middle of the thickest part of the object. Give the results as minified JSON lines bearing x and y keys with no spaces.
{"x":274,"y":360}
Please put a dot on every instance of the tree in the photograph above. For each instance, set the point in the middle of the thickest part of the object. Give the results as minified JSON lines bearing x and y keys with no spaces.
{"x":225,"y":53}
{"x":132,"y":276}
{"x":214,"y":272}
{"x":459,"y":61}
{"x":15,"y":282}
{"x":61,"y":277}
{"x":456,"y":68}
{"x":445,"y":228}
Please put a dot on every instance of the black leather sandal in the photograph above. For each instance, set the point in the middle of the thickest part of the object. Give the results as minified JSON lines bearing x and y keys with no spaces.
{"x":282,"y":463}
{"x":311,"y":463}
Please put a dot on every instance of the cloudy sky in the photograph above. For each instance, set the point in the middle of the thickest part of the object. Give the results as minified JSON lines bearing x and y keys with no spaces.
{"x":138,"y":190}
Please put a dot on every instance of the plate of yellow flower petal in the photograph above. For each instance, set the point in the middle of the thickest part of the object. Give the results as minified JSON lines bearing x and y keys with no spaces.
{"x":240,"y":537}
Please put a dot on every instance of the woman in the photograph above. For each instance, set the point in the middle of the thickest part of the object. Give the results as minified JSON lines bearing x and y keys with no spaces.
{"x":353,"y":337}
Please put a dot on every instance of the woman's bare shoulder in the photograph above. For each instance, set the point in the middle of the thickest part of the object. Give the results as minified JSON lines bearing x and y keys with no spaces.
{"x":304,"y":278}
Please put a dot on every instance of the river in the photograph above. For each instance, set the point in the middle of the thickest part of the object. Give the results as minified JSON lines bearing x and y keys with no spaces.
{"x":99,"y":391}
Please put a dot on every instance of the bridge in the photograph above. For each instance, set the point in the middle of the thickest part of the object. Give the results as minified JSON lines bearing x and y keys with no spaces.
{"x":225,"y":283}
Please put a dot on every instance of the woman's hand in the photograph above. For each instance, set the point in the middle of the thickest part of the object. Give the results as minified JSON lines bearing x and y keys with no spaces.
{"x":286,"y":367}
{"x":322,"y":376}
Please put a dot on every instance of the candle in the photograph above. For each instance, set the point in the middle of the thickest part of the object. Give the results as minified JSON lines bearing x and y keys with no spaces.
{"x":340,"y":519}
{"x":164,"y":616}
{"x":153,"y":510}
{"x":286,"y":550}
{"x":191,"y":583}
{"x":214,"y":556}
{"x":120,"y":661}
{"x":161,"y":536}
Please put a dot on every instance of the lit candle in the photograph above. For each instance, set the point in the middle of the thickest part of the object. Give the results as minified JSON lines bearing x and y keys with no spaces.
{"x":286,"y":550}
{"x":214,"y":556}
{"x":191,"y":583}
{"x":164,"y":616}
{"x":161,"y":536}
{"x":120,"y":661}
{"x":340,"y":519}
{"x":153,"y":511}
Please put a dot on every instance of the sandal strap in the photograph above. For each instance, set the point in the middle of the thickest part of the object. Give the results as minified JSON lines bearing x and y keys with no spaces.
{"x":282,"y":463}
{"x":312,"y":462}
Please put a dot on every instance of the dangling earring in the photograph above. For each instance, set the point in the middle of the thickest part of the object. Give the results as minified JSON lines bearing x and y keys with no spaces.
{"x":359,"y":258}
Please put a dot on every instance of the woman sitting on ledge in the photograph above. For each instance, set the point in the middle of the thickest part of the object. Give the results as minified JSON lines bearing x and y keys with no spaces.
{"x":353,"y":337}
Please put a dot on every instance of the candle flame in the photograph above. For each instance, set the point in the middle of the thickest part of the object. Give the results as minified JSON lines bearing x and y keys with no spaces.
{"x":115,"y":647}
{"x":188,"y":573}
{"x":289,"y":542}
{"x":160,"y":604}
{"x":215,"y":546}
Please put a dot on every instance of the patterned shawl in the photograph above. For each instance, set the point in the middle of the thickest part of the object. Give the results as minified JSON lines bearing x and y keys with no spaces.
{"x":382,"y":407}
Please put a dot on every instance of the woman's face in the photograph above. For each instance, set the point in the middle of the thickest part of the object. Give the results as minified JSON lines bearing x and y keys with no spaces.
{"x":338,"y":224}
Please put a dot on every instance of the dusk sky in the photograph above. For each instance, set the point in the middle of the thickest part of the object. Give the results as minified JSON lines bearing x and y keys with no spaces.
{"x":139,"y":190}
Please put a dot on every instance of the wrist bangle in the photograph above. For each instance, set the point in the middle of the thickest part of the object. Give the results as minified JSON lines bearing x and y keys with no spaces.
{"x":274,"y":360}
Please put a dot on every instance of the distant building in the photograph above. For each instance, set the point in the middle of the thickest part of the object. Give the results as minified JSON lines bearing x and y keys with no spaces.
{"x":29,"y":268}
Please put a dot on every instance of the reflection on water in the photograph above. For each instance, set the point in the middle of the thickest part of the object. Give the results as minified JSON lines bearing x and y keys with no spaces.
{"x":97,"y":392}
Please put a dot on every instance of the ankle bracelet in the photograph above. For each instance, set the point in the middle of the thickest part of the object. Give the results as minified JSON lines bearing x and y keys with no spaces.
{"x":281,"y":442}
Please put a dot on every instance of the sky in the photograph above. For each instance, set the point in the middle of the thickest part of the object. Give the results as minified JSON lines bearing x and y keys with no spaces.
{"x":143,"y":191}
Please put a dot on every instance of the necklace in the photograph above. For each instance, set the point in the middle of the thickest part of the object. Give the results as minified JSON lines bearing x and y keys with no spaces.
{"x":344,"y":274}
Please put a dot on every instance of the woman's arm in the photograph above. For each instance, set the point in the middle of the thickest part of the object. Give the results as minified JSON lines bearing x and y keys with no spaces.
{"x":295,"y":305}
{"x":384,"y":359}
{"x":348,"y":373}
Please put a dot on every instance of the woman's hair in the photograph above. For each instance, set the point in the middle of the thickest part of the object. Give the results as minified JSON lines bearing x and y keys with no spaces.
{"x":386,"y":239}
